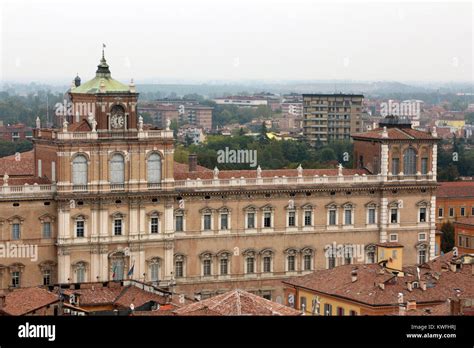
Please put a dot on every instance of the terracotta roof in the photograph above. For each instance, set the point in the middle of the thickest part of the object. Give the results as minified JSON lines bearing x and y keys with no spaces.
{"x":22,"y":167}
{"x":81,"y":126}
{"x":395,"y":134}
{"x":137,"y":296}
{"x":455,"y":189}
{"x":442,"y":283}
{"x":181,"y":168}
{"x":30,"y":180}
{"x":96,"y":296}
{"x":236,"y":302}
{"x":25,"y":300}
{"x":465,"y":221}
{"x":227,"y":174}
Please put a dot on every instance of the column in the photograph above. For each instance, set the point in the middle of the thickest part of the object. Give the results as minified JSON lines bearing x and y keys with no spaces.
{"x":383,"y":219}
{"x":432,"y":226}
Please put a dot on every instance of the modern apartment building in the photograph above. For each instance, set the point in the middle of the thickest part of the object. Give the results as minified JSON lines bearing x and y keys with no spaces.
{"x":331,"y":117}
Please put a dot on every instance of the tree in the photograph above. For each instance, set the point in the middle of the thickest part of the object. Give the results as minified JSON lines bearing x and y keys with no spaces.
{"x":263,"y":138}
{"x":327,"y":154}
{"x":447,"y":239}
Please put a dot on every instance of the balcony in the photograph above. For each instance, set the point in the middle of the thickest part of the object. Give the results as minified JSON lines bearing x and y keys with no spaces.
{"x":103,"y":134}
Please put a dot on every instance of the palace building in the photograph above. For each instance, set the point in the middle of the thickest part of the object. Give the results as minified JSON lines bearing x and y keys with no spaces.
{"x":102,"y":199}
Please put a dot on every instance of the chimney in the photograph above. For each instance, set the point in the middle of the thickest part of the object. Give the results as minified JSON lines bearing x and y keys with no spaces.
{"x":423,"y":286}
{"x":192,"y":162}
{"x":452,"y":267}
{"x":401,"y":310}
{"x":455,"y":306}
{"x":411,"y":305}
{"x":354,"y":275}
{"x":409,"y":286}
{"x":382,"y":286}
{"x":2,"y":301}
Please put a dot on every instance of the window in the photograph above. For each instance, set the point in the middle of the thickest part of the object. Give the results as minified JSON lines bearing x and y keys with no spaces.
{"x":154,"y":168}
{"x":440,"y":212}
{"x":424,"y":165}
{"x":421,"y":256}
{"x":370,"y":256}
{"x":463,"y":211}
{"x":331,"y":261}
{"x":395,"y":166}
{"x":291,"y":219}
{"x":154,"y":223}
{"x":371,"y":216}
{"x":291,"y":263}
{"x":307,"y":262}
{"x":422,"y":237}
{"x":15,"y":231}
{"x":179,"y":223}
{"x":308,"y":218}
{"x":250,"y":265}
{"x":16,"y":279}
{"x":154,"y":271}
{"x":394,"y":237}
{"x":332,"y":217}
{"x":80,"y":275}
{"x":46,"y":230}
{"x":348,"y":253}
{"x":224,"y":266}
{"x":178,"y":272}
{"x":79,"y":170}
{"x":422,"y":214}
{"x":267,"y":264}
{"x":347,"y":216}
{"x":250,"y":220}
{"x":352,"y":313}
{"x":409,"y":161}
{"x":224,"y":221}
{"x":46,"y":277}
{"x":117,"y":169}
{"x":267,"y":219}
{"x":118,"y":267}
{"x":327,"y":309}
{"x":451,"y":212}
{"x":207,"y":267}
{"x":340,"y":311}
{"x":117,"y":227}
{"x":80,"y":228}
{"x":303,"y":303}
{"x":207,"y":222}
{"x":472,"y":211}
{"x":394,"y":215}
{"x":460,"y":243}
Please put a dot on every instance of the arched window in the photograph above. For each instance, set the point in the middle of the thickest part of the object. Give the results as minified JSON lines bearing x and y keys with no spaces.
{"x":409,"y":162}
{"x":79,"y":170}
{"x":117,"y":169}
{"x":154,"y":168}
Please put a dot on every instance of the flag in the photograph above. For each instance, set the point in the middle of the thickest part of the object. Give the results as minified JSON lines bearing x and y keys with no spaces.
{"x":113,"y":271}
{"x":130,"y":272}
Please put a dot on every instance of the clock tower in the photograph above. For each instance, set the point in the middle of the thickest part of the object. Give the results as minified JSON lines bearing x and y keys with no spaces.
{"x":112,"y":103}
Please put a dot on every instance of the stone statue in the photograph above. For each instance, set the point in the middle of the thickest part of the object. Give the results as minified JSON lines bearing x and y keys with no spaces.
{"x":291,"y":204}
{"x":339,"y":169}
{"x":5,"y":179}
{"x":65,"y":124}
{"x":216,"y":173}
{"x":168,"y":124}
{"x":300,"y":170}
{"x":38,"y":123}
{"x":259,"y":172}
{"x":140,"y":123}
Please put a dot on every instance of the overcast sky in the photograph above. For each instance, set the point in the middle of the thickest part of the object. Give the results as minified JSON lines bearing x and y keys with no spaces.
{"x":205,"y":40}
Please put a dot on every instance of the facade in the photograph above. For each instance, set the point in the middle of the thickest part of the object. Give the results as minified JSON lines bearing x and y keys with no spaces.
{"x":329,"y":117}
{"x":15,"y":132}
{"x":464,"y":235}
{"x":105,"y":201}
{"x":454,"y":201}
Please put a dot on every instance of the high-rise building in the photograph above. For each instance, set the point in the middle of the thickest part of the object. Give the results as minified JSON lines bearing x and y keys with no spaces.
{"x":331,"y":117}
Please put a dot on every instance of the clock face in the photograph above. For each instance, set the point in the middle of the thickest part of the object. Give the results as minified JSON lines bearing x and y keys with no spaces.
{"x":117,"y":121}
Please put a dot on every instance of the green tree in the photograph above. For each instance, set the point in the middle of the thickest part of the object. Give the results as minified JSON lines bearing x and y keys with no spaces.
{"x":447,"y":238}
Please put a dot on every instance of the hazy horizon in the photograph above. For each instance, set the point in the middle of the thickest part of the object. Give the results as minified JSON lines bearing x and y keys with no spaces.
{"x":237,"y":41}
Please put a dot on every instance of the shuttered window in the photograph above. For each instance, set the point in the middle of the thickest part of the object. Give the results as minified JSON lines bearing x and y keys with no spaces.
{"x":154,"y":168}
{"x":117,"y":169}
{"x":79,"y":170}
{"x":409,"y":162}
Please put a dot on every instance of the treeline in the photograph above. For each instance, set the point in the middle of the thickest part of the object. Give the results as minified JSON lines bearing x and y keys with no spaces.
{"x":456,"y":162}
{"x":271,"y":154}
{"x":8,"y":148}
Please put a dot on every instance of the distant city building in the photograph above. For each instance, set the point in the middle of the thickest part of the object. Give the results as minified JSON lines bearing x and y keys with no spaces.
{"x":454,"y":201}
{"x":15,"y":132}
{"x":464,"y":235}
{"x":329,"y":117}
{"x":194,"y":134}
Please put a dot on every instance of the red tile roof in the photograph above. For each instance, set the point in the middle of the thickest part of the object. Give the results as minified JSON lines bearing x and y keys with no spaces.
{"x":441,"y":284}
{"x":455,"y":189}
{"x":465,"y":221}
{"x":395,"y":134}
{"x":81,"y":126}
{"x":25,"y":300}
{"x":24,"y":166}
{"x":236,"y":302}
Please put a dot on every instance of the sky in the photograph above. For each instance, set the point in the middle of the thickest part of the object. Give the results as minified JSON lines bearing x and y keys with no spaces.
{"x":193,"y":41}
